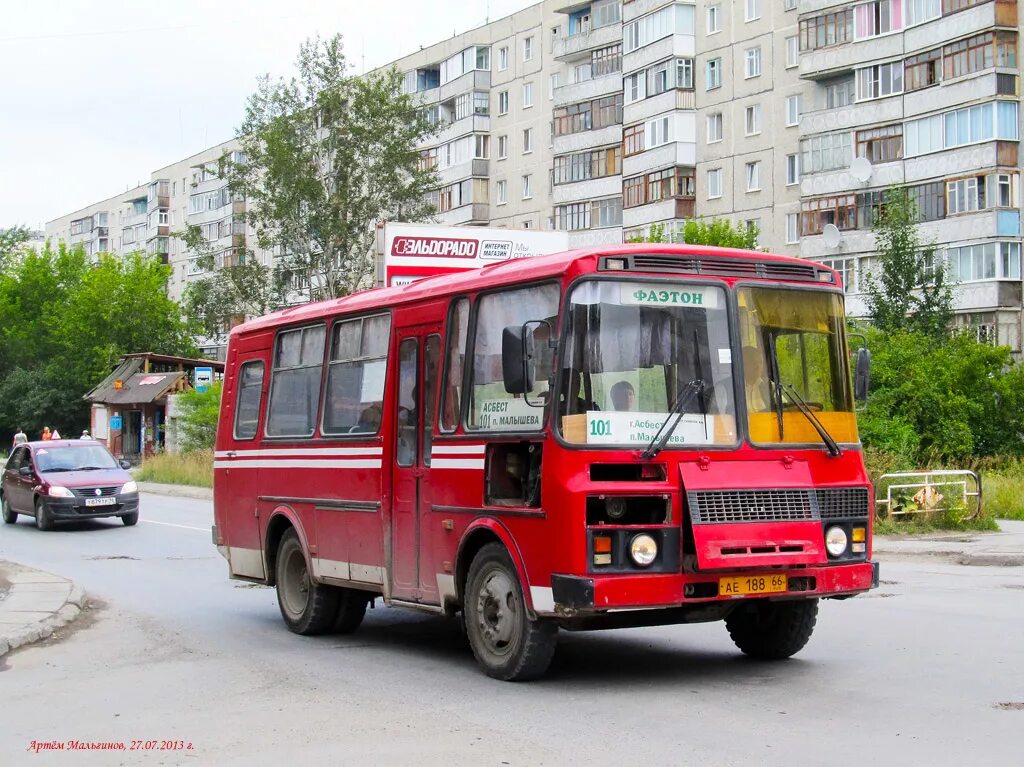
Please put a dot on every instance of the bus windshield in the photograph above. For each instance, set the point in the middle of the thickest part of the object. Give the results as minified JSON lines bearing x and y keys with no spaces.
{"x":792,"y":341}
{"x":636,"y":351}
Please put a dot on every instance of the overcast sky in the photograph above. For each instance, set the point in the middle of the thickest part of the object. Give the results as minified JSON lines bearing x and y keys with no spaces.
{"x":96,"y":95}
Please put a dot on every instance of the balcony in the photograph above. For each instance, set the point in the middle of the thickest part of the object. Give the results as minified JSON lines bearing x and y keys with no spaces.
{"x":951,"y":94}
{"x":590,"y":189}
{"x":987,"y":295}
{"x":662,"y":210}
{"x":961,"y":24}
{"x":659,"y":50}
{"x":588,"y":139}
{"x":855,"y":241}
{"x":579,"y":45}
{"x":475,"y":80}
{"x":470,"y":169}
{"x":883,"y":176}
{"x":588,"y":89}
{"x":829,"y":62}
{"x":459,"y":128}
{"x":474,"y":213}
{"x":671,"y":155}
{"x":637,"y":8}
{"x":668,"y":101}
{"x":585,"y":238}
{"x":961,"y":161}
{"x":857,"y":115}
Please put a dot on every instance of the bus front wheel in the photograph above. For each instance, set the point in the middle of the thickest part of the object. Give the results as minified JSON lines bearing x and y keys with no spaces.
{"x":772,"y":630}
{"x":506,"y":643}
{"x":307,"y":607}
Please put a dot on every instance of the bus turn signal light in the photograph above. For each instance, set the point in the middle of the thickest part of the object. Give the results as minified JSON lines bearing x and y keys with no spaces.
{"x":859,"y":535}
{"x":602,"y":544}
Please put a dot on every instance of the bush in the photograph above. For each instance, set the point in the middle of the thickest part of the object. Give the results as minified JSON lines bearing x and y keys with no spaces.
{"x":194,"y":468}
{"x":197,"y":421}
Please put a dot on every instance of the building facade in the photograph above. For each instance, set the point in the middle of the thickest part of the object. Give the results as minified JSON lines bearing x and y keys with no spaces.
{"x":604,"y":118}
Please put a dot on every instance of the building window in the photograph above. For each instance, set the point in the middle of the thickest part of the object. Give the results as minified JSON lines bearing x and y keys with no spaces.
{"x":714,"y":17}
{"x":753,"y":10}
{"x":986,"y":261}
{"x":713,"y":74}
{"x":714,"y":183}
{"x":879,"y":81}
{"x":982,"y":122}
{"x":877,"y":18}
{"x":580,"y":215}
{"x":528,"y":49}
{"x":502,"y":192}
{"x":527,"y":95}
{"x":502,"y":147}
{"x":831,"y":151}
{"x":714,"y":127}
{"x":753,"y":176}
{"x":792,"y":228}
{"x":752,"y":119}
{"x":792,"y":110}
{"x":789,"y":5}
{"x":527,"y":187}
{"x":635,"y":87}
{"x":552,"y":85}
{"x":977,"y":53}
{"x":752,"y":62}
{"x":922,"y":70}
{"x":883,"y":144}
{"x":792,"y":169}
{"x":503,"y":58}
{"x":792,"y":51}
{"x":596,"y":163}
{"x":840,"y":210}
{"x":847,"y":268}
{"x":658,"y":133}
{"x":671,"y":183}
{"x":527,"y":140}
{"x":605,"y":213}
{"x":606,"y":61}
{"x":920,"y":11}
{"x":588,"y":115}
{"x":503,"y":103}
{"x":482,"y":147}
{"x":838,"y":93}
{"x":632,"y":140}
{"x":826,"y":30}
{"x":673,"y":19}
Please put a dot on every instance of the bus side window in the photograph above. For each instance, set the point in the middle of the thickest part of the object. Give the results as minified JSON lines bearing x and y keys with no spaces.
{"x":451,"y":403}
{"x":247,"y":403}
{"x":295,"y":384}
{"x":431,"y":363}
{"x":407,"y":423}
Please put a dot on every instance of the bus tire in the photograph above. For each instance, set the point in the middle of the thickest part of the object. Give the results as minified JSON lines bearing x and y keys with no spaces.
{"x":352,"y":604}
{"x":507,"y":644}
{"x":772,"y":630}
{"x":307,"y":607}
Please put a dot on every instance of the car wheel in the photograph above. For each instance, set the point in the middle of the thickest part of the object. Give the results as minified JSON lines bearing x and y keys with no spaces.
{"x":43,"y":519}
{"x":307,"y":607}
{"x":130,"y":519}
{"x":10,"y":515}
{"x":506,"y":643}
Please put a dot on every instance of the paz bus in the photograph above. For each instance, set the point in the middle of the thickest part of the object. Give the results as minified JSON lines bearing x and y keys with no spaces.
{"x":625,"y":436}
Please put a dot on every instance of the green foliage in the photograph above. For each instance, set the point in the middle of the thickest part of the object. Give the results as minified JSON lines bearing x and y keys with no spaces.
{"x":199,"y":412}
{"x":327,"y":157}
{"x":10,"y":239}
{"x":718,"y":232}
{"x":911,"y":293}
{"x":942,"y":402}
{"x":194,"y":469}
{"x":65,"y":322}
{"x":1003,"y":490}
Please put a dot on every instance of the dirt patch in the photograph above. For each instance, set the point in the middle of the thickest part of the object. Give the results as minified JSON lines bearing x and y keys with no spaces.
{"x":114,"y":556}
{"x":889,"y":583}
{"x":85,"y":620}
{"x":1011,"y":706}
{"x":251,"y":586}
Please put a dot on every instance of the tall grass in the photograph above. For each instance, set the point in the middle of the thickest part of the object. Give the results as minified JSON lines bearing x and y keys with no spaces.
{"x":1003,"y":491}
{"x":179,"y":469}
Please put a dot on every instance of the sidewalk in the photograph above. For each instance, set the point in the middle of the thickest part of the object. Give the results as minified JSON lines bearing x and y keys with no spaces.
{"x":1002,"y":549}
{"x":34,"y":604}
{"x":181,"y":491}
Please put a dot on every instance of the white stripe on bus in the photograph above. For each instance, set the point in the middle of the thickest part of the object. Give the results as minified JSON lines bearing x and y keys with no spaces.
{"x":457,"y":463}
{"x":293,"y":451}
{"x":457,"y":449}
{"x":283,"y":463}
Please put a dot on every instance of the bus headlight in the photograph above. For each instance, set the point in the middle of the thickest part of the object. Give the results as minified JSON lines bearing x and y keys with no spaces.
{"x":643,"y":549}
{"x":835,"y":541}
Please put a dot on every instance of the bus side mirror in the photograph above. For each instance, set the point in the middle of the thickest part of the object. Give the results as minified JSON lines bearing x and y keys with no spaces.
{"x":862,"y":374}
{"x":517,"y":359}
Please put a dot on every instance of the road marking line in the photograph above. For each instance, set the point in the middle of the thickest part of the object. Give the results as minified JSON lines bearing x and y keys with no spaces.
{"x":169,"y":524}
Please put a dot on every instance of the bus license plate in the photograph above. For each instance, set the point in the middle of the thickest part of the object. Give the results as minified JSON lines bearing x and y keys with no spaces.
{"x":752,"y":584}
{"x":108,"y":501}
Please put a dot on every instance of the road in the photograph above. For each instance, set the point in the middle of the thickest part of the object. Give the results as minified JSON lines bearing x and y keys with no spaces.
{"x":912,"y":674}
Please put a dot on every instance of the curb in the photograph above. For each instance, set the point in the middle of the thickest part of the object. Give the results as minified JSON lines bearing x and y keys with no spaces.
{"x":180,"y":491}
{"x":35,"y":631}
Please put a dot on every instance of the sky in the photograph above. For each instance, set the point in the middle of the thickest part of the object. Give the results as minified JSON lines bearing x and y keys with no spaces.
{"x":94,"y":96}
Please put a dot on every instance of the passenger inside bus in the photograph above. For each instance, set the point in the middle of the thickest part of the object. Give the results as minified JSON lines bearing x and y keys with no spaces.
{"x":623,"y":396}
{"x":756,"y":380}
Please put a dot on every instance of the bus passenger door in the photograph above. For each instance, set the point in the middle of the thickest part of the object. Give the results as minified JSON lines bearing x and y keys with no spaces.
{"x":419,"y":352}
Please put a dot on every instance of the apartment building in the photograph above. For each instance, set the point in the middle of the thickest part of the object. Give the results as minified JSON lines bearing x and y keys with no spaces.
{"x":923,"y":93}
{"x":605,"y":117}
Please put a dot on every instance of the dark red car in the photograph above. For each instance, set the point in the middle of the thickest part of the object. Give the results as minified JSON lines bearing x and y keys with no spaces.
{"x":63,"y":480}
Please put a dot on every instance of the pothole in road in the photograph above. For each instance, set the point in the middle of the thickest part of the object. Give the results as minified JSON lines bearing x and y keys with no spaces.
{"x":1015,"y":705}
{"x":115,"y":556}
{"x":889,"y":583}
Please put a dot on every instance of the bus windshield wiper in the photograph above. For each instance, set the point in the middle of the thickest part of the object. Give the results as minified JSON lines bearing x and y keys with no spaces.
{"x":689,"y":392}
{"x":833,"y":447}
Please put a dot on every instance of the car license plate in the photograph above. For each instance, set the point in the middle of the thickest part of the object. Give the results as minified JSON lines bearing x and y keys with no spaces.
{"x":752,"y":584}
{"x":107,"y":501}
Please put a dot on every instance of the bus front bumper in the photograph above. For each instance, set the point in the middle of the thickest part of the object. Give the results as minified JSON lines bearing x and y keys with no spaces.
{"x":582,"y":595}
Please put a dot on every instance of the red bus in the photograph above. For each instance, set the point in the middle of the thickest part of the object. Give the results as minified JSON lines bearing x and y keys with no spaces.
{"x":615,"y":437}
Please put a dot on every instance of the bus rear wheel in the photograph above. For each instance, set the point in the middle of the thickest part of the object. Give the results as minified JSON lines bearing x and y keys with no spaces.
{"x":772,"y":630}
{"x":307,"y":607}
{"x":507,"y":644}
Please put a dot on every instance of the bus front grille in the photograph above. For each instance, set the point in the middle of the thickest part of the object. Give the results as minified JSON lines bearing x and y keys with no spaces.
{"x":843,"y":502}
{"x":777,"y":505}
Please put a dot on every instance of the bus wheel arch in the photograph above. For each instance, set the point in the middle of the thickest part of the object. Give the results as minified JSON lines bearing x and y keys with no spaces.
{"x":480,"y":533}
{"x":281,"y":520}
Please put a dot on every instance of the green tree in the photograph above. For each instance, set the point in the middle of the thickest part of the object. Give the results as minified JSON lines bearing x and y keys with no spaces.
{"x":327,"y":156}
{"x":10,"y":239}
{"x":911,"y":292}
{"x":718,"y":232}
{"x":198,"y":414}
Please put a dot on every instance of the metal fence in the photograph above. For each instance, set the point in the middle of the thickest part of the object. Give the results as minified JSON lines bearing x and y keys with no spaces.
{"x":916,"y":492}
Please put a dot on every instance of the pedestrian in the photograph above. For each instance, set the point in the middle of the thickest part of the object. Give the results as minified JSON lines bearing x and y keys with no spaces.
{"x":20,"y":438}
{"x":46,"y":433}
{"x":85,"y":434}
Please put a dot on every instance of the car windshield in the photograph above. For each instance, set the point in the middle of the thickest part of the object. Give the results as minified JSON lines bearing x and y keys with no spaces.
{"x":794,"y":338}
{"x":74,"y":458}
{"x":637,"y":350}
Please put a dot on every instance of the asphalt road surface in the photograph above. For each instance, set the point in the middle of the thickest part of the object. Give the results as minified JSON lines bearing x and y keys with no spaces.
{"x":927,"y":670}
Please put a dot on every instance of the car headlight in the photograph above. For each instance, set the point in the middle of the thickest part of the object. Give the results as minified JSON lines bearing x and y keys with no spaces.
{"x":56,"y":491}
{"x":835,"y":541}
{"x":130,"y":487}
{"x":643,"y":549}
